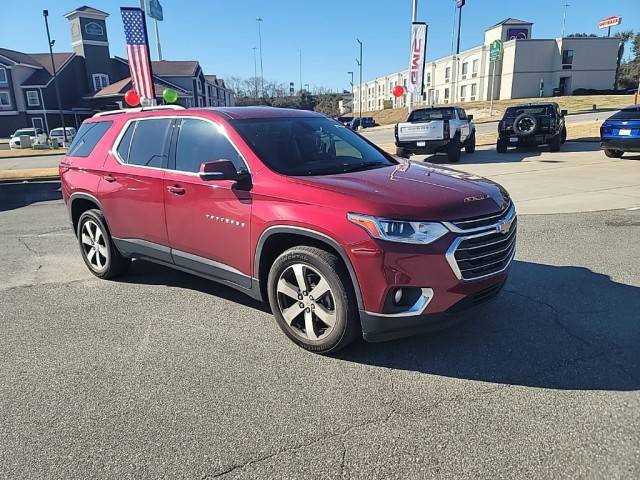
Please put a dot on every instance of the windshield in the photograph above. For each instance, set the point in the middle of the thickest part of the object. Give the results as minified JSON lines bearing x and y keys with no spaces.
{"x":534,"y":110}
{"x":309,"y":146}
{"x":431,"y":114}
{"x":25,"y":131}
{"x":57,"y":131}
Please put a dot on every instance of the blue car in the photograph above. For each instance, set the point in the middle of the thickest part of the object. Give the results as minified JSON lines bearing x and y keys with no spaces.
{"x":620,"y":133}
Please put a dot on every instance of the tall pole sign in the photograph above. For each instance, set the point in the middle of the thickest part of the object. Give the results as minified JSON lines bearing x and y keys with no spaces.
{"x":608,"y":23}
{"x":153,"y":9}
{"x":495,"y":54}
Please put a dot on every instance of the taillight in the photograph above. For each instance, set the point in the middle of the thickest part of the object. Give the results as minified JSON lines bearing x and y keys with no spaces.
{"x":446,"y":129}
{"x":395,"y":131}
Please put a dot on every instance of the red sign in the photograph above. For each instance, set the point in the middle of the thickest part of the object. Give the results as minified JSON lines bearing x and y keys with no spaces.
{"x":418,"y":54}
{"x":609,"y":22}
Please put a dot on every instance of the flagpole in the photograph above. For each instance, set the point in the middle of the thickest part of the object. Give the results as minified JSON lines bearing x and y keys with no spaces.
{"x":155,"y":21}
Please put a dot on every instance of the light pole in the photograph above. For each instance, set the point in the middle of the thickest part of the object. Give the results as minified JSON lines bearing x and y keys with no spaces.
{"x":351,"y":82}
{"x":259,"y":20}
{"x":255,"y":71}
{"x":45,"y":14}
{"x":300,"y":53}
{"x":359,"y":62}
{"x":564,"y":17}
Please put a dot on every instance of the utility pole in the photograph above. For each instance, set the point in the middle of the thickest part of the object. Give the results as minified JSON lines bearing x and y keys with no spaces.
{"x":564,"y":17}
{"x":359,"y":62}
{"x":300,"y":54}
{"x":255,"y":71}
{"x":45,"y":14}
{"x":259,"y":20}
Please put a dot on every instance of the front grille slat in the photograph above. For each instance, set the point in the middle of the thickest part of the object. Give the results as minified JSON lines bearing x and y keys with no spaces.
{"x":485,"y":255}
{"x":483,"y":221}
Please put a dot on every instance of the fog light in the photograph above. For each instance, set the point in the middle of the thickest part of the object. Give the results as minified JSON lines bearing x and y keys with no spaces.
{"x":397,"y":296}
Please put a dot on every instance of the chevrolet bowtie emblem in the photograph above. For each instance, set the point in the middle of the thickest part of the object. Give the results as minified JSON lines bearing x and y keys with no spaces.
{"x":503,"y":226}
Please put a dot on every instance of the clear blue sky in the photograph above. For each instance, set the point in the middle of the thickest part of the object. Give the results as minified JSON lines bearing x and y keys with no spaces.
{"x":221,"y":33}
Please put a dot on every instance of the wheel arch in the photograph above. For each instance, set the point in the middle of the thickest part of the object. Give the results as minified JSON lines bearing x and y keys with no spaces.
{"x":79,"y":203}
{"x":276,"y":239}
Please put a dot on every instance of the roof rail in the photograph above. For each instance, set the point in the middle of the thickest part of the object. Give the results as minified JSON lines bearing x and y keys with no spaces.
{"x":138,"y":109}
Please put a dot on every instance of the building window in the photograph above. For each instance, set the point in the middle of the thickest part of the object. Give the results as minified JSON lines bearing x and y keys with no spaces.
{"x":567,"y":59}
{"x":465,"y":69}
{"x":199,"y":86}
{"x":447,"y":74}
{"x":463,"y":92}
{"x":474,"y":68}
{"x":5,"y":100}
{"x":100,"y":80}
{"x":428,"y":82}
{"x":474,"y":91}
{"x":3,"y":76}
{"x":33,"y":100}
{"x":446,"y":94}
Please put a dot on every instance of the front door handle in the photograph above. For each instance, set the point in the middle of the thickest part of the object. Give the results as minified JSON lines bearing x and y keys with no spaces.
{"x":177,"y":190}
{"x":109,"y":178}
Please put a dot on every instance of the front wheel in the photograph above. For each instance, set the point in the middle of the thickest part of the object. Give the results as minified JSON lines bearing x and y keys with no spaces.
{"x":501,"y":146}
{"x":470,"y":145}
{"x":312,"y":299}
{"x":613,"y":153}
{"x":97,"y":248}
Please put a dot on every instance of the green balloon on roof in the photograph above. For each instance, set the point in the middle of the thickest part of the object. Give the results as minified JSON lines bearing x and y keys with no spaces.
{"x":170,"y":95}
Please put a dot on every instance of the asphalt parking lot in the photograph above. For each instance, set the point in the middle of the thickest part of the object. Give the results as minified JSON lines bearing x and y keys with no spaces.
{"x":162,"y":374}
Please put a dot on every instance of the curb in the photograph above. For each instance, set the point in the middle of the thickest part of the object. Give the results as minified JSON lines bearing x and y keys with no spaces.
{"x":44,"y":153}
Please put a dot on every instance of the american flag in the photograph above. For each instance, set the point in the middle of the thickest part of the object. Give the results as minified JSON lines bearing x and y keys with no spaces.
{"x":138,"y":51}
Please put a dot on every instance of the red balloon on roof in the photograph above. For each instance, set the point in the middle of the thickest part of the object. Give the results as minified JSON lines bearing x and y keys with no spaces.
{"x":398,"y":91}
{"x":132,"y":98}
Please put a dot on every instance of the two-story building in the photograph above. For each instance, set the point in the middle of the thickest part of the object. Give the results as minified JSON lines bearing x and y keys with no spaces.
{"x":90,"y":79}
{"x":528,"y":67}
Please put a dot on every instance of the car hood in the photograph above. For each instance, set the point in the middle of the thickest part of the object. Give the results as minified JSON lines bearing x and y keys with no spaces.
{"x":413,"y":191}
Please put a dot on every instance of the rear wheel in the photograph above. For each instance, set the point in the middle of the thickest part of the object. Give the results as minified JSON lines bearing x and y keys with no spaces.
{"x":470,"y":145}
{"x":501,"y":146}
{"x":613,"y":153}
{"x":312,"y":299}
{"x":96,"y":246}
{"x":563,"y":135}
{"x":402,"y":152}
{"x":554,"y":144}
{"x":453,"y":150}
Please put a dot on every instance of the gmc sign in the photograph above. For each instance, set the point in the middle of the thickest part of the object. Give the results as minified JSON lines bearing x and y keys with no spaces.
{"x":418,"y":54}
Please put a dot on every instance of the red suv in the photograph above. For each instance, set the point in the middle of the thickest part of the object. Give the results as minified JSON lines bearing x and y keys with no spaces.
{"x":343,"y":239}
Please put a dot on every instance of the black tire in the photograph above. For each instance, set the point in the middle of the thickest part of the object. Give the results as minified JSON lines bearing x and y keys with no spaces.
{"x":501,"y":146}
{"x":563,"y":135}
{"x":470,"y":144}
{"x":114,"y":263}
{"x":347,"y":323}
{"x":402,"y":152}
{"x":611,"y":153}
{"x":554,"y":144}
{"x":453,"y":150}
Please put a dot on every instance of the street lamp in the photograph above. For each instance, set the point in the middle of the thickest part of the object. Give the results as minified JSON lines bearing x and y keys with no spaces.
{"x":255,"y":71}
{"x":45,"y":14}
{"x":359,"y":62}
{"x":259,"y":20}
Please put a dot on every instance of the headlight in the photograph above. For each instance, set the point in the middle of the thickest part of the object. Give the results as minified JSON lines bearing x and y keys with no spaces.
{"x":399,"y":230}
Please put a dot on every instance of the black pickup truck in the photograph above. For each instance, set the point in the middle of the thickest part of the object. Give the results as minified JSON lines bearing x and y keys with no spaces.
{"x":532,"y":124}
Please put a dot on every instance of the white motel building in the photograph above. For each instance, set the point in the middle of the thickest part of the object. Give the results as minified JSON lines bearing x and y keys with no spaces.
{"x":529,"y":67}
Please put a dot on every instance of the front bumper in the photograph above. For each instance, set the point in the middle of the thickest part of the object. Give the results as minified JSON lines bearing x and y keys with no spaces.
{"x":629,"y":144}
{"x":464,"y":268}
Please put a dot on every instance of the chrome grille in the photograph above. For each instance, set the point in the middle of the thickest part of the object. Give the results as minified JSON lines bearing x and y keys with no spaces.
{"x":485,"y":220}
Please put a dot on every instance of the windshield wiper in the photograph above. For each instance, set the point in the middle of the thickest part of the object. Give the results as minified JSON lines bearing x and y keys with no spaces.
{"x":361,"y":166}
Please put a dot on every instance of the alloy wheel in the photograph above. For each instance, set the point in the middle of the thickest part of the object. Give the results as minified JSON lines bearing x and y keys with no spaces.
{"x":306,"y":302}
{"x":94,"y":245}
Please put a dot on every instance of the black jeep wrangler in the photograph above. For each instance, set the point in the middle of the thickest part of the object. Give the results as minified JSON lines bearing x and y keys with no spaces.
{"x":532,"y":124}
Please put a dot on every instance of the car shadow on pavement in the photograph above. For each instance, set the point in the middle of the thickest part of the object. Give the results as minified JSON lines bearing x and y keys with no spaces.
{"x":20,"y":194}
{"x":148,"y":273}
{"x":515,"y":155}
{"x":559,"y":327}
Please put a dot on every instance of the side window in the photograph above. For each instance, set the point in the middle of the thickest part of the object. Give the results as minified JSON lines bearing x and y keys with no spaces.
{"x":150,"y":143}
{"x":462,"y":115}
{"x":125,"y":143}
{"x":200,"y":141}
{"x":87,"y":138}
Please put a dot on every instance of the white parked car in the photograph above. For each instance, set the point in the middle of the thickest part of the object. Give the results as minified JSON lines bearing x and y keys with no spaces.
{"x":59,"y":134}
{"x":38,"y":137}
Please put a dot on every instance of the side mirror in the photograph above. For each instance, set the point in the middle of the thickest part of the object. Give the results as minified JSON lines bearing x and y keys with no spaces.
{"x":563,"y":112}
{"x":469,"y":117}
{"x":218,"y":170}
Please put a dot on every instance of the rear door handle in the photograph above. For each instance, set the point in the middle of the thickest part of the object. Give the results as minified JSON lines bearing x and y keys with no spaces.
{"x":109,"y":178}
{"x":176,"y":190}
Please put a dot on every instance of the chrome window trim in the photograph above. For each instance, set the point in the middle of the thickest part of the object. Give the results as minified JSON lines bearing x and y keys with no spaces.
{"x":450,"y":256}
{"x":509,"y":216}
{"x":116,"y":143}
{"x":416,"y":309}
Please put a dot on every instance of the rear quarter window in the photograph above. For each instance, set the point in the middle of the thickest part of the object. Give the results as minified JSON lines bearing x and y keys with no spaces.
{"x":87,"y":138}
